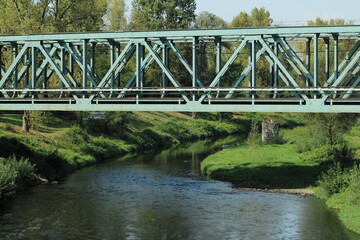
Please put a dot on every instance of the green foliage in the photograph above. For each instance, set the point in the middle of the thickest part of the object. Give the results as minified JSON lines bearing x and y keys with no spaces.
{"x":259,"y":17}
{"x":15,"y":175}
{"x":39,"y":118}
{"x":307,"y":142}
{"x":115,"y":17}
{"x":340,"y":188}
{"x":330,"y":125}
{"x":332,"y":181}
{"x":254,"y":137}
{"x":161,"y":14}
{"x":206,"y":20}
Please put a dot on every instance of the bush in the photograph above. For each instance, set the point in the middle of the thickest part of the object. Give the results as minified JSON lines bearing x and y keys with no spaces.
{"x":344,"y":154}
{"x":334,"y":180}
{"x":308,"y":143}
{"x":354,"y":185}
{"x":254,"y":137}
{"x":15,"y":175}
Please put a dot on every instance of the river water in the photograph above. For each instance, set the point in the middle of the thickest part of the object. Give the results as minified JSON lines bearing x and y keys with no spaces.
{"x":162,"y":196}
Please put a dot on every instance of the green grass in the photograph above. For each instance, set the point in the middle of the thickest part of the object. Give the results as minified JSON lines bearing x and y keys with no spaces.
{"x":267,"y":165}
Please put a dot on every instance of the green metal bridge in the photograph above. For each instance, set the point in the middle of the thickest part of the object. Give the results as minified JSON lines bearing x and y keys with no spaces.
{"x":307,"y":69}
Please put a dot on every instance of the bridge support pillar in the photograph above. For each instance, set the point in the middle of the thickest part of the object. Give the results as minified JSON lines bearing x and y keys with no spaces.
{"x":270,"y":130}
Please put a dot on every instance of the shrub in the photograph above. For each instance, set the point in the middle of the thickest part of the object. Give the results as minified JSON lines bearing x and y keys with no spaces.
{"x":344,"y":154}
{"x":254,"y":137}
{"x":15,"y":175}
{"x":354,"y":185}
{"x":334,"y":180}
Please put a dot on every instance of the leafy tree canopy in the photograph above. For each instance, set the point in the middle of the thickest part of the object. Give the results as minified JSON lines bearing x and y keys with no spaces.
{"x":162,"y":14}
{"x":259,"y":17}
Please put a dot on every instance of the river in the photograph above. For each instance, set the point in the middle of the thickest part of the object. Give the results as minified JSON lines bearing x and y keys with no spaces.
{"x":162,"y":196}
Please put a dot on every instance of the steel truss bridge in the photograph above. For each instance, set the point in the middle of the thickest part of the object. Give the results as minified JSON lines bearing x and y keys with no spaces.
{"x":308,"y":69}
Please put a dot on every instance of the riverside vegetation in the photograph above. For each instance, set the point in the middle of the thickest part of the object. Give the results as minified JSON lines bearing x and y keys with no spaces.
{"x":304,"y":156}
{"x":59,"y":146}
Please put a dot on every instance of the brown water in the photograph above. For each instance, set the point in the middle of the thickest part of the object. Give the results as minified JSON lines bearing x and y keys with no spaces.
{"x":162,"y":196}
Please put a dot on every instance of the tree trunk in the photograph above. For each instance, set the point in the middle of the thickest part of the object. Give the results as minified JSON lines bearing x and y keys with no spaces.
{"x":193,"y":115}
{"x":26,"y":122}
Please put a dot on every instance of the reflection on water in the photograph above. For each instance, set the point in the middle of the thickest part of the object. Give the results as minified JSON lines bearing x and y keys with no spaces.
{"x":162,"y":196}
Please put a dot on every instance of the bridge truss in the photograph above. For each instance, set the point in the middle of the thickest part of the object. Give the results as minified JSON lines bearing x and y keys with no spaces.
{"x":303,"y":69}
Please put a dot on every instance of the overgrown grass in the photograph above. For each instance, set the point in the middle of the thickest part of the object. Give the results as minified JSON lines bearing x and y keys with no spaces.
{"x":340,"y":188}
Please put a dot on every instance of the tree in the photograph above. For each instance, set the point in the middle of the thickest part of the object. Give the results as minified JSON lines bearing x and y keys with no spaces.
{"x":43,"y":16}
{"x":331,"y":125}
{"x":259,"y":17}
{"x":162,"y":14}
{"x":115,"y":18}
{"x":206,"y":20}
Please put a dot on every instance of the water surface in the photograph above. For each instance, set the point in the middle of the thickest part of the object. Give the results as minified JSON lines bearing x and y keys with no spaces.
{"x":162,"y":196}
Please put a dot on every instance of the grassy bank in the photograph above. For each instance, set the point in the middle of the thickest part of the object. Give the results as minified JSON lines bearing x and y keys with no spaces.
{"x":302,"y":160}
{"x":52,"y":150}
{"x":267,"y":165}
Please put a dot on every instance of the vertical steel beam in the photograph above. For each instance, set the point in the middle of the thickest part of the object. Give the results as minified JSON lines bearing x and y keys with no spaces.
{"x":71,"y":63}
{"x":336,"y":57}
{"x":276,"y":69}
{"x":165,"y":58}
{"x":63,"y":62}
{"x":308,"y":59}
{"x":1,"y":64}
{"x":250,"y":60}
{"x":195,"y":46}
{"x":44,"y":77}
{"x":85,"y":62}
{"x":92,"y":58}
{"x":327,"y":58}
{"x":316,"y":62}
{"x":118,"y":55}
{"x":33,"y":66}
{"x":15,"y":48}
{"x":253,"y":66}
{"x":112,"y":61}
{"x":139,"y":72}
{"x":27,"y":62}
{"x":218,"y":42}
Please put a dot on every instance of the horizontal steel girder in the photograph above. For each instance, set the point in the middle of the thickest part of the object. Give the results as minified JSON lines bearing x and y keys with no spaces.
{"x":275,"y":69}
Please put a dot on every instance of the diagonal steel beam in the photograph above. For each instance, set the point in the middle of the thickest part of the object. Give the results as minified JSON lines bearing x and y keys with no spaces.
{"x":245,"y":72}
{"x":182,"y":60}
{"x":286,"y":47}
{"x":14,"y":64}
{"x":79,"y":60}
{"x":226,"y":67}
{"x":128,"y":50}
{"x":347,"y":58}
{"x":352,"y":87}
{"x":164,"y":68}
{"x":149,"y":59}
{"x":55,"y":67}
{"x":281,"y":66}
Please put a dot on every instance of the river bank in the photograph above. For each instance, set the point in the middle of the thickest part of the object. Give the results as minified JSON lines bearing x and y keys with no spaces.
{"x":284,"y":168}
{"x":51,"y":151}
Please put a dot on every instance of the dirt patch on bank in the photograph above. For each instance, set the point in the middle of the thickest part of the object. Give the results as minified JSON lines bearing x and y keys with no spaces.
{"x":299,"y":191}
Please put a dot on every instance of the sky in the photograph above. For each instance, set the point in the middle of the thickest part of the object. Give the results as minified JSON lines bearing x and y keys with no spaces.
{"x":284,"y":12}
{"x":288,"y":12}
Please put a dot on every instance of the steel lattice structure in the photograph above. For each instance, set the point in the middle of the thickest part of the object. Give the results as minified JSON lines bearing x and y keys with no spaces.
{"x":308,"y":70}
